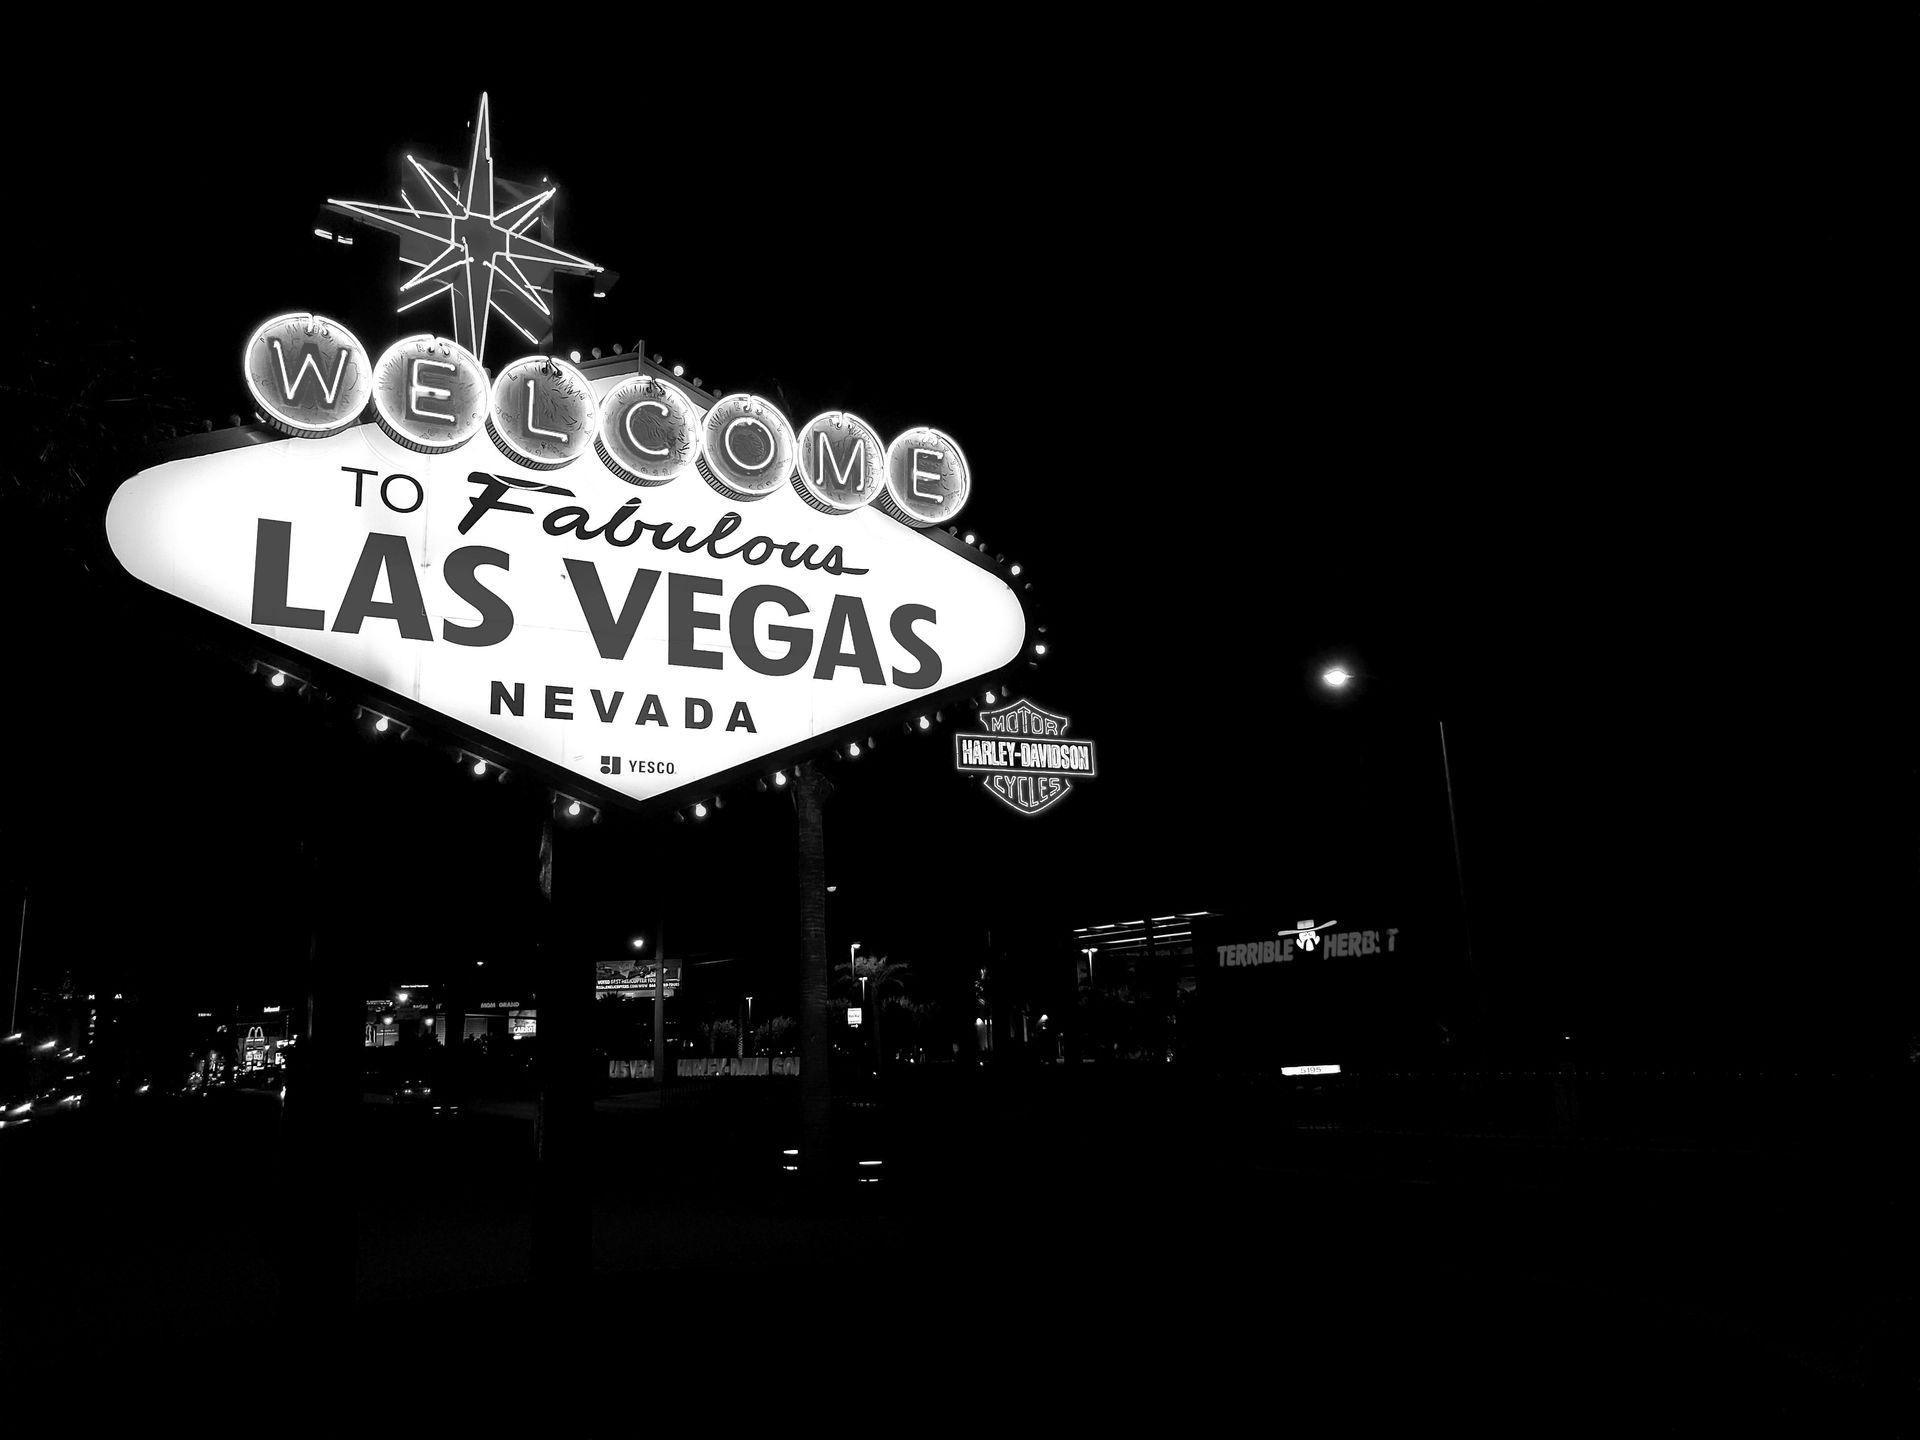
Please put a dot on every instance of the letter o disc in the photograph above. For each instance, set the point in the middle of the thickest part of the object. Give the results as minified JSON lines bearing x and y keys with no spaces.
{"x":840,"y":463}
{"x":649,"y":433}
{"x":429,"y":394}
{"x":308,"y":374}
{"x":543,"y":414}
{"x":927,"y":478}
{"x":747,"y":448}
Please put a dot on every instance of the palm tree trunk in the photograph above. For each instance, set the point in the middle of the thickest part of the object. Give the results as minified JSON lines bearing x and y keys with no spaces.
{"x":810,"y":791}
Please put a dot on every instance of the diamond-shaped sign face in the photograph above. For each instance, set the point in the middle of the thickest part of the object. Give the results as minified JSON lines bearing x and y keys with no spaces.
{"x":636,"y":644}
{"x":1024,"y":758}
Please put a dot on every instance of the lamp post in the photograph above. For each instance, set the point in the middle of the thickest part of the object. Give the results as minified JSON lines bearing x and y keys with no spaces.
{"x":1090,"y":951}
{"x":1338,"y":677}
{"x":749,"y":1031}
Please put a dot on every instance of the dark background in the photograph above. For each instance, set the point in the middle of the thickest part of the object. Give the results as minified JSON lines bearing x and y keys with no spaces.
{"x":1457,"y":394}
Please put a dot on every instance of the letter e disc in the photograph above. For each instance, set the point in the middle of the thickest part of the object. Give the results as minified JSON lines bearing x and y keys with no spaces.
{"x":747,"y":448}
{"x":543,"y":413}
{"x":927,"y":478}
{"x":840,"y":463}
{"x":429,"y":394}
{"x":308,"y":374}
{"x":649,"y":434}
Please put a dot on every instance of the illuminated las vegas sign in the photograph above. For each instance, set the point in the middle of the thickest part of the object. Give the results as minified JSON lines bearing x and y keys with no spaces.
{"x":639,"y":590}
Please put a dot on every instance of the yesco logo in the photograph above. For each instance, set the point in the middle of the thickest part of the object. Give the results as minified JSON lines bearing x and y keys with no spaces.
{"x":610,"y":765}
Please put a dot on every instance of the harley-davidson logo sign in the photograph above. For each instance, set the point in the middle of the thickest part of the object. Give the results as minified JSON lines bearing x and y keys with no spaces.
{"x":1024,"y":757}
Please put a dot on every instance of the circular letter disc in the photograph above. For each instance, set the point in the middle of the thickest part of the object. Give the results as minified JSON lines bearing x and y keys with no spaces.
{"x":649,"y":434}
{"x":927,"y":478}
{"x":543,"y":414}
{"x":429,"y":394}
{"x":839,"y":463}
{"x":747,"y":447}
{"x":308,"y":374}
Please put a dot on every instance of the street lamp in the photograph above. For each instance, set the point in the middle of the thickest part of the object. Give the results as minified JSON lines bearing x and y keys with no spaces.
{"x":639,"y":942}
{"x":1337,"y":677}
{"x":749,"y":1016}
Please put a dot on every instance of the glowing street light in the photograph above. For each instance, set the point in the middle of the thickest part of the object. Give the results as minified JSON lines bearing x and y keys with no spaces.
{"x":1336,"y":677}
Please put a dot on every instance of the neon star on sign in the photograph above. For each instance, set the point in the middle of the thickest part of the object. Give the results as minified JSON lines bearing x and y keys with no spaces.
{"x":474,"y":245}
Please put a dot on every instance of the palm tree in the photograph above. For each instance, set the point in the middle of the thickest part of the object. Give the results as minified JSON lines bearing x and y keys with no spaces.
{"x":810,"y":791}
{"x":879,"y":975}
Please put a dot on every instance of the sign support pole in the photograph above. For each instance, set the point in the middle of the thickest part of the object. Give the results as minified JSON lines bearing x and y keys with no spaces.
{"x":318,"y":1242}
{"x":810,"y":792}
{"x":562,"y":1210}
{"x":660,"y":1007}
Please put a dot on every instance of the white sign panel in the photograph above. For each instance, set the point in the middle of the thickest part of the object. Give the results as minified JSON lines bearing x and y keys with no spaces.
{"x":642,"y":639}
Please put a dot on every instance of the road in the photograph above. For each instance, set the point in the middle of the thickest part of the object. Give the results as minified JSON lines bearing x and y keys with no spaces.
{"x":1129,"y":1252}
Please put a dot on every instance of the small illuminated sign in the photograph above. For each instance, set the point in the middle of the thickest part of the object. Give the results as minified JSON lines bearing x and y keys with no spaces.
{"x":637,"y":981}
{"x":1025,"y":758}
{"x":429,"y":394}
{"x":853,"y":1015}
{"x":839,"y":463}
{"x":1309,"y":1069}
{"x":1300,"y":942}
{"x":927,"y":478}
{"x":544,"y":414}
{"x":649,"y":432}
{"x":308,"y":375}
{"x":746,"y":450}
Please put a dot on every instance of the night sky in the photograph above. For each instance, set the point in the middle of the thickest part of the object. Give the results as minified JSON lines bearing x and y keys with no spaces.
{"x":1456,"y":411}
